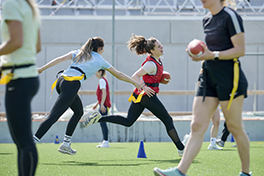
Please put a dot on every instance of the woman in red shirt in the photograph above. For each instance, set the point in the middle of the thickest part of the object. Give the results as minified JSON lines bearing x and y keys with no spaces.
{"x":151,"y":72}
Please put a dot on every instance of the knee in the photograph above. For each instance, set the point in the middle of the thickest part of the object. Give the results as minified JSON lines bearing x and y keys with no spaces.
{"x":235,"y":128}
{"x":129,"y":123}
{"x":216,"y":123}
{"x":79,"y":113}
{"x":197,"y":126}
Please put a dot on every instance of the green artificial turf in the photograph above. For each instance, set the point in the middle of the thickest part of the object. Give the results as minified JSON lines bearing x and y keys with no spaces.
{"x":121,"y":160}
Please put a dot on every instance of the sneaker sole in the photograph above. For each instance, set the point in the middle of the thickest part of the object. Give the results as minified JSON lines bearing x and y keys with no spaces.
{"x":157,"y":173}
{"x":94,"y":119}
{"x":66,"y":152}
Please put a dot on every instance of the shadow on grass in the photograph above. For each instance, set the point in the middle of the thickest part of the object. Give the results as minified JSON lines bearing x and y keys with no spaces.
{"x":6,"y":153}
{"x":76,"y":163}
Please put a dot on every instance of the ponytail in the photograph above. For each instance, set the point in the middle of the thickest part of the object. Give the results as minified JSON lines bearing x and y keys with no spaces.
{"x":85,"y":52}
{"x":140,"y":45}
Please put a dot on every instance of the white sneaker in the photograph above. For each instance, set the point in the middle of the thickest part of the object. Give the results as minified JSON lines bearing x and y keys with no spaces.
{"x":214,"y":147}
{"x":184,"y":141}
{"x":92,"y":119}
{"x":104,"y":144}
{"x":66,"y":149}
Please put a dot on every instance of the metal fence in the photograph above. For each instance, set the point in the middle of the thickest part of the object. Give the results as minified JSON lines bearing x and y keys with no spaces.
{"x":140,"y":7}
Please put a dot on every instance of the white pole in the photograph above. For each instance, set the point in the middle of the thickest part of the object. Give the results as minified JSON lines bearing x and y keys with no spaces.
{"x":255,"y":100}
{"x":113,"y":55}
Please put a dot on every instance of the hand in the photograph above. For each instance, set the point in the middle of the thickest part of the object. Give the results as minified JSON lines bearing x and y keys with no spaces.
{"x":40,"y":70}
{"x":150,"y":92}
{"x":207,"y":55}
{"x":94,"y":107}
{"x":139,"y":85}
{"x":103,"y":109}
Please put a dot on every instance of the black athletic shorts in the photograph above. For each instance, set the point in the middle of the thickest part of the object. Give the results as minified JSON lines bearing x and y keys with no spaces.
{"x":217,"y":76}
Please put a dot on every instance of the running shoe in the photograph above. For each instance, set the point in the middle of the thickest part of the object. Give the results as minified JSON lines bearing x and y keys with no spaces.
{"x":66,"y":149}
{"x":243,"y":174}
{"x":167,"y":172}
{"x":214,"y":147}
{"x":220,"y":142}
{"x":185,"y":139}
{"x":104,"y":144}
{"x":92,"y":119}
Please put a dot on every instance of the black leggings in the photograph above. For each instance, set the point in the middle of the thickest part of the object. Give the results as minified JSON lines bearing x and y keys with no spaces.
{"x":68,"y":97}
{"x":225,"y":133}
{"x":154,"y":105}
{"x":18,"y":96}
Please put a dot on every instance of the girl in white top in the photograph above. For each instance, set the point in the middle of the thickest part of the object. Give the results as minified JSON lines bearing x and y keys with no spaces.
{"x":20,"y":25}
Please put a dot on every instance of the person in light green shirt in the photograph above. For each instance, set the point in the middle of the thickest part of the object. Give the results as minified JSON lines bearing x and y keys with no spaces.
{"x":20,"y":32}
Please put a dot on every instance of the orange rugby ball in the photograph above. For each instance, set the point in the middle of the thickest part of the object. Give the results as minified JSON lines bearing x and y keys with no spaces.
{"x":165,"y":77}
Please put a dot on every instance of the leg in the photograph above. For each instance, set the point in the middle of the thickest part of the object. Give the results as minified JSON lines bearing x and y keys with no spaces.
{"x":77,"y":108}
{"x":134,"y":112}
{"x":234,"y":123}
{"x":18,"y":112}
{"x":104,"y":125}
{"x":68,"y":92}
{"x":216,"y":122}
{"x":225,"y":133}
{"x":156,"y":107}
{"x":214,"y":131}
{"x":202,"y":113}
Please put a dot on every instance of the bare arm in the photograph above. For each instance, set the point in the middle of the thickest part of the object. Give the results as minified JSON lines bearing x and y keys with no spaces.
{"x":55,"y":61}
{"x":15,"y":42}
{"x":238,"y":50}
{"x":139,"y":73}
{"x":124,"y":77}
{"x":103,"y":109}
{"x":39,"y":42}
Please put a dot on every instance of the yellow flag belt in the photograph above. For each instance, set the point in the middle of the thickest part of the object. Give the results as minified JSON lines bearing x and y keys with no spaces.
{"x":67,"y":78}
{"x":235,"y":82}
{"x":8,"y":77}
{"x":138,"y":99}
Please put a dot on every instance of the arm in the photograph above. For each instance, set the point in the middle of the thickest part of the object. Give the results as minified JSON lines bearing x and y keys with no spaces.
{"x":39,"y":42}
{"x":103,"y":109}
{"x":124,"y":77}
{"x":95,"y":106}
{"x":238,"y":50}
{"x":139,"y":73}
{"x":15,"y":42}
{"x":55,"y":61}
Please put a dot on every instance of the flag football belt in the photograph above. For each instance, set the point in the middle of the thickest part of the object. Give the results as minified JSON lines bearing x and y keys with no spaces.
{"x":138,"y":99}
{"x":235,"y":82}
{"x":69,"y":78}
{"x":7,"y":78}
{"x":152,"y":84}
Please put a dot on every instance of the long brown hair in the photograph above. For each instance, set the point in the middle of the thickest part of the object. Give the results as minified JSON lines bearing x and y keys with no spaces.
{"x":232,"y":3}
{"x":34,"y":8}
{"x":140,"y":45}
{"x":85,"y":53}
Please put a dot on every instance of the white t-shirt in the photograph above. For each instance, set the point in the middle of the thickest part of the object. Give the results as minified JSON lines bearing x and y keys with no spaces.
{"x":102,"y":83}
{"x":150,"y":67}
{"x":21,"y":11}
